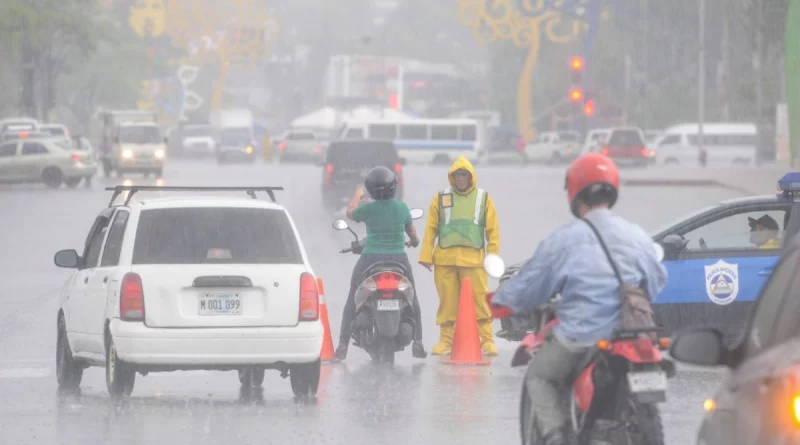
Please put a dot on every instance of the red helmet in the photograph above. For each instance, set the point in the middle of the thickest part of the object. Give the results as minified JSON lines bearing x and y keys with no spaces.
{"x":590,"y":173}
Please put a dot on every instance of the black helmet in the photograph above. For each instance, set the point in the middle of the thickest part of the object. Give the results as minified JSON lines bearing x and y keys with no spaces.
{"x":381,"y":183}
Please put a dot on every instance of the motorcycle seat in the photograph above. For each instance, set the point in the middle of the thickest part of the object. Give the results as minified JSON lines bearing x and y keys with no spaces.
{"x":385,"y":266}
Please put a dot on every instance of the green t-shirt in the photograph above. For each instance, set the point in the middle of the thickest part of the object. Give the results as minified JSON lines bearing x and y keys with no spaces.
{"x":386,"y":221}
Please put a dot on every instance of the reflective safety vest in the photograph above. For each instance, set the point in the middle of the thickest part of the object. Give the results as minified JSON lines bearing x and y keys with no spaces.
{"x":462,"y":219}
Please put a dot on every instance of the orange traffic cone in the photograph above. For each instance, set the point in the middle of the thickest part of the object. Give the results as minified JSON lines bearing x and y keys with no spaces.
{"x":466,"y":348}
{"x":326,"y":354}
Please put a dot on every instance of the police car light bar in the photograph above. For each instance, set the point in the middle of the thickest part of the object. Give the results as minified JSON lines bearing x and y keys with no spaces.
{"x":790,"y":183}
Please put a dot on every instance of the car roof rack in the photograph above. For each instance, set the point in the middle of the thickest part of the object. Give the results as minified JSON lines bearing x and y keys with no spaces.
{"x":132,"y":189}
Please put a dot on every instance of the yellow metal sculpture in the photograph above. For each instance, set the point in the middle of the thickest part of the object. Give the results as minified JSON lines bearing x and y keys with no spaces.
{"x":525,"y":22}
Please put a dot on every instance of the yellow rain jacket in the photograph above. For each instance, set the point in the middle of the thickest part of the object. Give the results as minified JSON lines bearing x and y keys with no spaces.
{"x":772,"y":243}
{"x":432,"y":253}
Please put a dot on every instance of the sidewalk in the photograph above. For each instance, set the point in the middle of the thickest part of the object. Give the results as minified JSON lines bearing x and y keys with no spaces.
{"x":745,"y":180}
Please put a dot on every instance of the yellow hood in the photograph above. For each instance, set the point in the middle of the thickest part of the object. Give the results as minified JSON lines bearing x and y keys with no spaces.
{"x":462,"y":163}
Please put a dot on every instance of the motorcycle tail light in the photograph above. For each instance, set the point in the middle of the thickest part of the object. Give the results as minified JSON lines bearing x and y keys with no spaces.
{"x":644,"y":346}
{"x":387,"y":281}
{"x":604,"y":345}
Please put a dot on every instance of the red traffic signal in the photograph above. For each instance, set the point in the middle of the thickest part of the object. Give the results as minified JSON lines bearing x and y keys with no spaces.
{"x":588,"y":107}
{"x":576,"y":95}
{"x":576,"y":64}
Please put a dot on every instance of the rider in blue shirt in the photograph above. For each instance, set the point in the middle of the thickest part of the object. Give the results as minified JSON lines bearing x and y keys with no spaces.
{"x":572,"y":262}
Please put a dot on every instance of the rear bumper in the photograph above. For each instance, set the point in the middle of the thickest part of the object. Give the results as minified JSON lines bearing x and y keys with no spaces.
{"x":139,"y":164}
{"x":216,"y":347}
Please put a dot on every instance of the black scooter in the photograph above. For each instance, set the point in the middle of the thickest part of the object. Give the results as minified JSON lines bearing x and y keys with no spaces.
{"x":384,"y":298}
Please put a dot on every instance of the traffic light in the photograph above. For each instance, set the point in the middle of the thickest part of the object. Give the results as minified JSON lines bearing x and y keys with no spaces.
{"x":588,"y":107}
{"x":576,"y":95}
{"x":576,"y":69}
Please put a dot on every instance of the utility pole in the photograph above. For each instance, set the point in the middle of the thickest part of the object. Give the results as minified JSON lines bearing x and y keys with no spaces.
{"x":757,"y":61}
{"x":701,"y":96}
{"x":646,"y":67}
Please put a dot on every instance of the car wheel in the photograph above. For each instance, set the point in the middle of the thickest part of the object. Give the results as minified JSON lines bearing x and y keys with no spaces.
{"x":251,"y":376}
{"x":72,"y":182}
{"x":52,"y":177}
{"x":68,"y":372}
{"x":305,"y":378}
{"x":119,"y":377}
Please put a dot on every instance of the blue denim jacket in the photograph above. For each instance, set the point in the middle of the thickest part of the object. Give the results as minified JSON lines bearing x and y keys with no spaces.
{"x":571,"y":261}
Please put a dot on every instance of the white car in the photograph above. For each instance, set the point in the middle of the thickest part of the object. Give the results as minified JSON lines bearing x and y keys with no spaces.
{"x":190,"y":283}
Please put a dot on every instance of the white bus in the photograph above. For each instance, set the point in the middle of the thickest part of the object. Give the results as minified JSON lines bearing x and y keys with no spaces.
{"x":725,"y":143}
{"x":437,"y":141}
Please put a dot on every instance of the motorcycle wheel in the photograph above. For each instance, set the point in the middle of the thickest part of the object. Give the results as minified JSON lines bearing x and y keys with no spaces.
{"x":386,"y":349}
{"x":644,"y":420}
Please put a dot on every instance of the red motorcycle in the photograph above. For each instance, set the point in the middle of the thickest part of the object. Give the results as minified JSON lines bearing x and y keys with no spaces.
{"x":614,"y":397}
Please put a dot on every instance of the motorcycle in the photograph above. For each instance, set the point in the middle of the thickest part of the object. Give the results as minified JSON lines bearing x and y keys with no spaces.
{"x":614,"y":397}
{"x":384,"y":322}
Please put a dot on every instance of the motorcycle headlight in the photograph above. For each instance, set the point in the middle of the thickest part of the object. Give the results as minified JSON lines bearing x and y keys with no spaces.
{"x":127,"y":154}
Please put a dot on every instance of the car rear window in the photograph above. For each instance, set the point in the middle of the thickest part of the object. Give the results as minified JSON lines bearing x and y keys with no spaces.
{"x":362,"y":154}
{"x":626,"y":138}
{"x":214,"y":235}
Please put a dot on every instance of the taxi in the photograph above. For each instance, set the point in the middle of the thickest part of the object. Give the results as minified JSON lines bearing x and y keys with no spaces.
{"x":719,"y":258}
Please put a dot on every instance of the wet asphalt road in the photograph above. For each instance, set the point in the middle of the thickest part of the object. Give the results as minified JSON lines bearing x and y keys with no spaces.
{"x":419,"y":402}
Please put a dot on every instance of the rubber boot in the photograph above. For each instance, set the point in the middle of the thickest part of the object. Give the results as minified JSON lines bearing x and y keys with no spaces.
{"x":487,"y":339}
{"x":445,"y":344}
{"x":418,"y":349}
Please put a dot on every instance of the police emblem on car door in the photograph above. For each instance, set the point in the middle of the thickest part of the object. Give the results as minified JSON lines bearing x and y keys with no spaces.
{"x":722,"y":282}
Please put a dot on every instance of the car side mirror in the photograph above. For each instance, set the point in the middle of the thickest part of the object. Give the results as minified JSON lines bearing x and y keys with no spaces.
{"x":416,"y":213}
{"x":699,"y":346}
{"x":68,"y":259}
{"x":673,"y":244}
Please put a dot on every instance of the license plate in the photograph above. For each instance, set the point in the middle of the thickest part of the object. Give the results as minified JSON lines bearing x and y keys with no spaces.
{"x":388,"y":305}
{"x":220,"y":304}
{"x":647,"y":381}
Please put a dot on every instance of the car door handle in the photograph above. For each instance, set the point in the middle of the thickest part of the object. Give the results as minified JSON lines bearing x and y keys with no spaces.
{"x":105,"y":280}
{"x":86,"y":280}
{"x":765,"y":272}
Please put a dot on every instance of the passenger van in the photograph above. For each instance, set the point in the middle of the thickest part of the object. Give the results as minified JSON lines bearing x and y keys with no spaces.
{"x":724,"y":143}
{"x":438,"y":141}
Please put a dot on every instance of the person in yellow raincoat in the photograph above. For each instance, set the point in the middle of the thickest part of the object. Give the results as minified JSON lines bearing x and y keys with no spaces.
{"x":462,"y":228}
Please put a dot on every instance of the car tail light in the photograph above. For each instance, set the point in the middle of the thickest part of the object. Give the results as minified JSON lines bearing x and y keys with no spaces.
{"x":605,"y":151}
{"x":282,"y":146}
{"x":329,"y":175}
{"x":398,"y":171}
{"x":644,"y":152}
{"x":317,"y":149}
{"x":520,"y":146}
{"x":309,"y":298}
{"x":131,"y":298}
{"x":76,"y":157}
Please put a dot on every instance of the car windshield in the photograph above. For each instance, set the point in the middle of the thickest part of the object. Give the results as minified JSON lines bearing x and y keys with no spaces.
{"x":683,"y":218}
{"x":139,"y":135}
{"x":626,"y":138}
{"x":203,"y":235}
{"x":362,"y":154}
{"x":235,"y":136}
{"x":54,"y":131}
{"x":196,"y":131}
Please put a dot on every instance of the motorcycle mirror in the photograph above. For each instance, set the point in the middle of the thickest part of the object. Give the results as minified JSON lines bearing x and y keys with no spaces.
{"x":340,"y":224}
{"x":494,"y":266}
{"x":416,"y":213}
{"x":659,"y":251}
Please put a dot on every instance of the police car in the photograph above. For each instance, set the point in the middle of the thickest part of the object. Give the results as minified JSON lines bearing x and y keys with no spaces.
{"x":718,"y":259}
